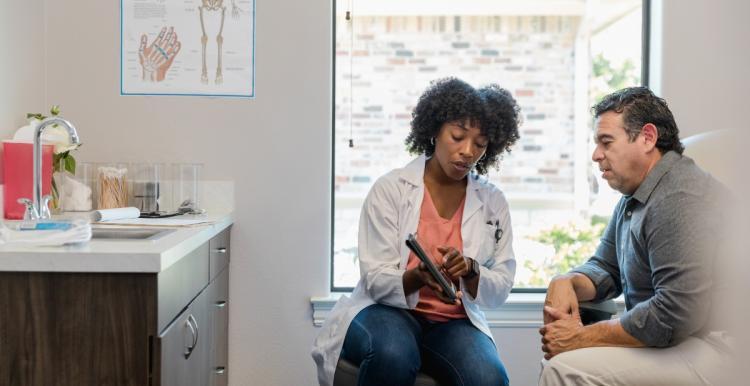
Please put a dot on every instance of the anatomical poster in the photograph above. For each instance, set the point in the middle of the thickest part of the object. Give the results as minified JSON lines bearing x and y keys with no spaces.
{"x":187,"y":47}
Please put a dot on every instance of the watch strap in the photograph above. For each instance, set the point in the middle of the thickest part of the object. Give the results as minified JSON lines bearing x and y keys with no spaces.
{"x":473,"y":269}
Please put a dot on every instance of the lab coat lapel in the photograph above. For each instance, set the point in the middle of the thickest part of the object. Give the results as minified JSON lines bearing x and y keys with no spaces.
{"x":469,"y":230}
{"x":473,"y":199}
{"x":413,"y":175}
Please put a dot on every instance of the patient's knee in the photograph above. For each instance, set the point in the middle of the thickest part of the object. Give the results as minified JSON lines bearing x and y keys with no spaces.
{"x":560,"y":370}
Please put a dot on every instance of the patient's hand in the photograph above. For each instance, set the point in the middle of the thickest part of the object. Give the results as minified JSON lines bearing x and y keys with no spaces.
{"x":565,"y":333}
{"x":561,"y":296}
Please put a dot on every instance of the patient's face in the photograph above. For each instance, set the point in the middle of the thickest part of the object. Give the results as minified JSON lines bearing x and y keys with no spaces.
{"x":624,"y":163}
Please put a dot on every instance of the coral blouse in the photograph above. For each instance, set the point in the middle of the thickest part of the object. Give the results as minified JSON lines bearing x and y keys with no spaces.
{"x":434,"y":231}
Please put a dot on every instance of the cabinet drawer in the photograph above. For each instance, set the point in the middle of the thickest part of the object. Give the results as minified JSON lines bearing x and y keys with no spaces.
{"x":184,"y":347}
{"x":219,"y":313}
{"x":181,"y":283}
{"x":218,"y":253}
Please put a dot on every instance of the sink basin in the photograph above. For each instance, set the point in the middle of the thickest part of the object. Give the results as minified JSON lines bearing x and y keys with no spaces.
{"x":129,"y":234}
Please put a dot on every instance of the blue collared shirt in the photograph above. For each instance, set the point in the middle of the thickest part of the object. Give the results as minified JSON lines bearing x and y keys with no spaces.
{"x":659,"y":250}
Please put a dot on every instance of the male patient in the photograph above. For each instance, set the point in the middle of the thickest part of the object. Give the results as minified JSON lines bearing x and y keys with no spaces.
{"x":658,"y":249}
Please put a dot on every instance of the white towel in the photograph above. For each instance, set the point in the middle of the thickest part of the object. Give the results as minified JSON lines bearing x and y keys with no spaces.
{"x":103,"y":215}
{"x":79,"y":232}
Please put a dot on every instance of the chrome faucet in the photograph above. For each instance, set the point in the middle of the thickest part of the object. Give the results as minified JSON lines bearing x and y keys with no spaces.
{"x":38,"y":209}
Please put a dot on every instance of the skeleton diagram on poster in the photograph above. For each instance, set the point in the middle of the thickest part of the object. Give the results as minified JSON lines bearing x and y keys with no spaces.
{"x":187,"y":47}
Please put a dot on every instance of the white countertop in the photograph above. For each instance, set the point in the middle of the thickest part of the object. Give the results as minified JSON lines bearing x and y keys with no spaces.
{"x":120,"y":255}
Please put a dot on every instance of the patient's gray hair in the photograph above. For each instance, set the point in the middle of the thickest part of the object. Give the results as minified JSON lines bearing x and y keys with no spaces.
{"x":640,"y":106}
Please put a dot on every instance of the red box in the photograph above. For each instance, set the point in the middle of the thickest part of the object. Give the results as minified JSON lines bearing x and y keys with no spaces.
{"x":18,"y":169}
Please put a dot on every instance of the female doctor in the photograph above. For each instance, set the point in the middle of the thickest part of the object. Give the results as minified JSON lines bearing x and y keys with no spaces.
{"x":398,"y":321}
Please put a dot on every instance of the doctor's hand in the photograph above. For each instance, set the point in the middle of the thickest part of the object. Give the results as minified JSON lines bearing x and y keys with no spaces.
{"x":424,"y":278}
{"x":455,"y":263}
{"x":561,"y":296}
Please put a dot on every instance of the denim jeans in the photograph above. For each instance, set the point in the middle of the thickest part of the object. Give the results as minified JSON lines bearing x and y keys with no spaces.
{"x":391,"y":345}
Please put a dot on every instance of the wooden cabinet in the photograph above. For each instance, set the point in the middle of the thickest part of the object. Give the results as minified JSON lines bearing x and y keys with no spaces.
{"x":130,"y":329}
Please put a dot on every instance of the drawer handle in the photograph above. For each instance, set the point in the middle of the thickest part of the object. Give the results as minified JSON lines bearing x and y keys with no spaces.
{"x":193,"y":325}
{"x":220,"y":304}
{"x":219,"y":370}
{"x":220,"y":250}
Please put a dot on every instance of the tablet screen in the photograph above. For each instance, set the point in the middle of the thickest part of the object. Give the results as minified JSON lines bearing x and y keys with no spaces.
{"x":445,"y":284}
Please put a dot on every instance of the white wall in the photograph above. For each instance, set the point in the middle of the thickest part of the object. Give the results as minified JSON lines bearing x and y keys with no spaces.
{"x":21,"y":63}
{"x":705,"y":60}
{"x":277,"y":147}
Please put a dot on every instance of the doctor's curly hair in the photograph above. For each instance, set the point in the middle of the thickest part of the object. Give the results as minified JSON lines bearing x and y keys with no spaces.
{"x":491,"y":108}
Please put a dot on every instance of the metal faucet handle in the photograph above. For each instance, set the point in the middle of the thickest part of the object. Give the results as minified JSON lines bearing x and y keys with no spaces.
{"x":30,"y":213}
{"x":44,"y":212}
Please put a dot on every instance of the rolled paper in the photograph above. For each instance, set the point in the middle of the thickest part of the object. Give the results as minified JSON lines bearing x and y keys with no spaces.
{"x":102,"y":215}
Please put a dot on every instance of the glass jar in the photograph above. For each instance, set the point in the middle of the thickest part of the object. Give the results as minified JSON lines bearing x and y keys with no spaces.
{"x":149,"y":187}
{"x":74,"y":190}
{"x":187,"y":185}
{"x":111,"y":186}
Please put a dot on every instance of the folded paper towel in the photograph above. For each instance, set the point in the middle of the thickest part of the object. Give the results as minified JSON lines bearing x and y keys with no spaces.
{"x":103,"y":215}
{"x":76,"y":196}
{"x":78,"y":231}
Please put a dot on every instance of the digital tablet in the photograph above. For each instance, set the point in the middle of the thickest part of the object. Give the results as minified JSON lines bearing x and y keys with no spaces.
{"x":447,"y":286}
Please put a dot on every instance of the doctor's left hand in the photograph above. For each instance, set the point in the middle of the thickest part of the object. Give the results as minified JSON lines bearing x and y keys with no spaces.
{"x":455,"y":263}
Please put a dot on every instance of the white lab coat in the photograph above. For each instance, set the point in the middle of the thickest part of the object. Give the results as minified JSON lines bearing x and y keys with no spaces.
{"x":390,"y":212}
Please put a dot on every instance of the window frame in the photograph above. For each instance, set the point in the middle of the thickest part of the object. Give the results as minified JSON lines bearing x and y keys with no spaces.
{"x":645,"y":62}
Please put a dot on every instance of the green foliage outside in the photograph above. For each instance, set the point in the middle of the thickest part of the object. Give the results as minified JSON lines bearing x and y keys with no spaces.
{"x":614,"y":78}
{"x":573,"y":245}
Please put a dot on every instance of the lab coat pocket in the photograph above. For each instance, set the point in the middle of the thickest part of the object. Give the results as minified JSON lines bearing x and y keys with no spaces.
{"x":486,"y":244}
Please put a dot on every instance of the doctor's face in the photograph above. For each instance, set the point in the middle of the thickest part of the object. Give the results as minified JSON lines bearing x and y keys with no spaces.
{"x":458,"y":146}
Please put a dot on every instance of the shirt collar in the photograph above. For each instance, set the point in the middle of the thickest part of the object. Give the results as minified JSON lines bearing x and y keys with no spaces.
{"x":662,"y":167}
{"x":413,"y":173}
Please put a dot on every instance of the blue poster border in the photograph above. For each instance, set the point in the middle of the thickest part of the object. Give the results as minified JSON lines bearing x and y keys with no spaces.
{"x":249,"y":96}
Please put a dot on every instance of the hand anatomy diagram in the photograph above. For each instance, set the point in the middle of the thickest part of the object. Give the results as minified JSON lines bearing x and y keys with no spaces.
{"x":156,"y":58}
{"x":214,"y":7}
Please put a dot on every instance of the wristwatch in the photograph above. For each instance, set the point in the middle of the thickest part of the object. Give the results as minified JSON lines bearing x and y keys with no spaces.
{"x":473,"y":269}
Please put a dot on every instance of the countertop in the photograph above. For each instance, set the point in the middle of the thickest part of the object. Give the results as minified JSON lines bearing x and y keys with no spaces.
{"x":108,"y":255}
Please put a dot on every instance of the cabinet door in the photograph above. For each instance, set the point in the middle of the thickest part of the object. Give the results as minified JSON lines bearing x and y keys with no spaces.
{"x":219,"y":311}
{"x":185,"y":346}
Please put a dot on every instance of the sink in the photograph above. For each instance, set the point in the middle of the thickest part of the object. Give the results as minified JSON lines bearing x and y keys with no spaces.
{"x":129,"y":234}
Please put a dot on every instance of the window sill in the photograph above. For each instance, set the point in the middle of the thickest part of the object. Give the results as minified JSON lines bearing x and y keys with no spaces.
{"x":521,"y":310}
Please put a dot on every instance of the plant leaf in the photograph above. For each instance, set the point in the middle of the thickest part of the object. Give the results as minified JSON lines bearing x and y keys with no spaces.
{"x":70,"y":163}
{"x":56,"y":160}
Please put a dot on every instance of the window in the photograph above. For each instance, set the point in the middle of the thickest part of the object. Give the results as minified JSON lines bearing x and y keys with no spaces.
{"x":557,"y":57}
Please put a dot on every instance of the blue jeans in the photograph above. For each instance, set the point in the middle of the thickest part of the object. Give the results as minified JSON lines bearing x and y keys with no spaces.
{"x":391,"y":345}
